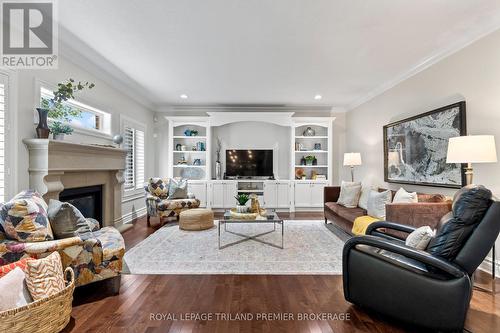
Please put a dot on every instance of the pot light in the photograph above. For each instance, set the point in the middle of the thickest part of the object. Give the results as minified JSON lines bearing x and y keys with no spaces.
{"x":318,"y":97}
{"x":184,"y":96}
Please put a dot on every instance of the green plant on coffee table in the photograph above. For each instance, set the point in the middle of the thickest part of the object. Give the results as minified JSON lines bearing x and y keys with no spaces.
{"x":59,"y":128}
{"x":309,"y":159}
{"x":242,"y":199}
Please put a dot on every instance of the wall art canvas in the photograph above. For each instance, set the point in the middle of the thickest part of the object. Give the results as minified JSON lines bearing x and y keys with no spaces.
{"x":415,"y":148}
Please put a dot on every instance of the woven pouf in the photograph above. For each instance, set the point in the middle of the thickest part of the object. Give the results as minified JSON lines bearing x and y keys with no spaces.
{"x":196,"y":219}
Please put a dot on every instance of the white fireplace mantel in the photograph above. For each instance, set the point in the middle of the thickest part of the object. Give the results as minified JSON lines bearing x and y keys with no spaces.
{"x":58,"y":165}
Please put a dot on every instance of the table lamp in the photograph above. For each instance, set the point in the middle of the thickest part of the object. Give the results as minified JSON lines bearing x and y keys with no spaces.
{"x":351,"y":160}
{"x":471,"y":149}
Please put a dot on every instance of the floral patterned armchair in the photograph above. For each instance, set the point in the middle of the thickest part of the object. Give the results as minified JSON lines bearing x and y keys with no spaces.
{"x":158,"y":204}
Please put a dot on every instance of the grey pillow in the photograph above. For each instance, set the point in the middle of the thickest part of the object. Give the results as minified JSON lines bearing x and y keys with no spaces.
{"x":349,"y":194}
{"x":177,"y":189}
{"x":66,"y":220}
{"x":376,"y":203}
{"x":420,"y":238}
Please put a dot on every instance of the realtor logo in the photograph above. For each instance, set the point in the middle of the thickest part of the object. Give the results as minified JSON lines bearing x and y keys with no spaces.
{"x":29,"y":38}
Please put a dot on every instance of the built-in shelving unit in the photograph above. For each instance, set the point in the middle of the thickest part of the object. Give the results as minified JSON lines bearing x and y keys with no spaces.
{"x":189,"y":152}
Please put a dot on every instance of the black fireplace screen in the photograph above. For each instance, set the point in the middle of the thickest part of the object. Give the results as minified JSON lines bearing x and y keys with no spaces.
{"x":87,"y":199}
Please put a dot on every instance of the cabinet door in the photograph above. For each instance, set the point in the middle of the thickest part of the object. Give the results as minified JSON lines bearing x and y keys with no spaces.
{"x":317,"y":194}
{"x":302,"y":194}
{"x":200,"y":192}
{"x":230,"y":191}
{"x":218,"y":195}
{"x":270,"y":195}
{"x":283,"y":195}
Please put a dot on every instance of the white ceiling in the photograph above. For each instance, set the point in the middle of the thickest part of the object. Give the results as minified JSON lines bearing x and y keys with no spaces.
{"x":273,"y":51}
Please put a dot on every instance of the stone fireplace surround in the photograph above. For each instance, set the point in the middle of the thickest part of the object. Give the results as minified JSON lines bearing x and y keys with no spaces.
{"x":58,"y":165}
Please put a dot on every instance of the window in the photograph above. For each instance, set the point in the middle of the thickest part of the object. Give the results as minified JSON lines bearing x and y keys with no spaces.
{"x":78,"y":114}
{"x":3,"y":106}
{"x":134,"y":169}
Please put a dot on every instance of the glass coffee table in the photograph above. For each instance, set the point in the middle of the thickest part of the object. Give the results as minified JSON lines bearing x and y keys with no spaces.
{"x":272,"y":218}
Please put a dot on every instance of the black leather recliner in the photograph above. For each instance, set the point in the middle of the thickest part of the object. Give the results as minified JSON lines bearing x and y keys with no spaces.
{"x":431,"y":288}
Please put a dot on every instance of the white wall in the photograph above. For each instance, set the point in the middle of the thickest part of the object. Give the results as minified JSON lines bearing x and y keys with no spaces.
{"x":103,"y":97}
{"x":472,"y":74}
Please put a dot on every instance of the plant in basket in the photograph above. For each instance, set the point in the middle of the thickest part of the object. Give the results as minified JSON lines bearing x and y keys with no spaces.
{"x":242,"y":200}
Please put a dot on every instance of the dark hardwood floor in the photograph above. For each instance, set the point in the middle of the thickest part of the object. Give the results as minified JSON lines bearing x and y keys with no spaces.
{"x":144,"y":296}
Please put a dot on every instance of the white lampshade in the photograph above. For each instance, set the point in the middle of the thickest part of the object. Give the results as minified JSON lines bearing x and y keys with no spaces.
{"x":351,"y":159}
{"x":472,"y":149}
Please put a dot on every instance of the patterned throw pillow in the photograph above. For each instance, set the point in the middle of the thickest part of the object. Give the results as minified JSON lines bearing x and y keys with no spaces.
{"x":24,"y":218}
{"x":44,"y":277}
{"x":10,"y":267}
{"x":66,"y":220}
{"x":158,"y":187}
{"x":177,"y":189}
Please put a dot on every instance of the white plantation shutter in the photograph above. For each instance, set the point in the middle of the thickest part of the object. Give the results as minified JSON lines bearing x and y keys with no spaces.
{"x":139,"y":159}
{"x":134,"y":169}
{"x":129,"y":166}
{"x":3,"y":87}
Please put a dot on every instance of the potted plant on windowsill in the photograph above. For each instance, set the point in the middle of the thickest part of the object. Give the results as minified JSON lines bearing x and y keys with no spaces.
{"x":55,"y":108}
{"x":242,"y":200}
{"x":59,"y":129}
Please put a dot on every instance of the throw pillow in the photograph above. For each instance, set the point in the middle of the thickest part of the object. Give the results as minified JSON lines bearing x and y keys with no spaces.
{"x":13,"y":292}
{"x":349,"y":194}
{"x":158,"y":187}
{"x":66,"y":220}
{"x":402,"y":196}
{"x":44,"y":277}
{"x":24,"y":218}
{"x":177,"y":189}
{"x":470,"y":204}
{"x":10,"y":267}
{"x":420,"y":238}
{"x":377,"y":202}
{"x":363,"y":198}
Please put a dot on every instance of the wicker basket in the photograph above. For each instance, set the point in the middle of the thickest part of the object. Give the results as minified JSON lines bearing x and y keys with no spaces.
{"x":48,"y":315}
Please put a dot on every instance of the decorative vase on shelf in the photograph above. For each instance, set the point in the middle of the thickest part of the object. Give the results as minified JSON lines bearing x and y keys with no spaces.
{"x":42,"y":130}
{"x":309,"y":132}
{"x":218,"y":170}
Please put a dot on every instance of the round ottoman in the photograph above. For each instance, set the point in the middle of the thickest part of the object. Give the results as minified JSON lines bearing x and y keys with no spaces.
{"x":196,"y":219}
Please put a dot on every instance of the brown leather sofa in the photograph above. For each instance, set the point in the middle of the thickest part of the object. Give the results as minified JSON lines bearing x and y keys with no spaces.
{"x":428,"y":211}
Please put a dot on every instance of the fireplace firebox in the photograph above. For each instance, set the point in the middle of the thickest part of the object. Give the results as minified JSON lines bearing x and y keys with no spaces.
{"x":87,"y":199}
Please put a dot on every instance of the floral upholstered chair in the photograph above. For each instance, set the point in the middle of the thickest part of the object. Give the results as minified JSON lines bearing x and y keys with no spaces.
{"x":167,"y":198}
{"x":25,"y":232}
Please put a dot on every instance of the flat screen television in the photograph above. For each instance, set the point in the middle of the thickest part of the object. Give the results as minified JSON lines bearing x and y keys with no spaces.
{"x":249,"y":163}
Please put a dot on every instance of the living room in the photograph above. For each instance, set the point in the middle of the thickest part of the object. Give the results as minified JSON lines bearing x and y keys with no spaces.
{"x":249,"y":166}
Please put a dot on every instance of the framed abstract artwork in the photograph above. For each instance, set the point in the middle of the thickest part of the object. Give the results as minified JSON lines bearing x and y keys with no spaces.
{"x":415,"y":148}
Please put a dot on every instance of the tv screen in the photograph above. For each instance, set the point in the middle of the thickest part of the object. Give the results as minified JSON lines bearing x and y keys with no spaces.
{"x":249,"y":163}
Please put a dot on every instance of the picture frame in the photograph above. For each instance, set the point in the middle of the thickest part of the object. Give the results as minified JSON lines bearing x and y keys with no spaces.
{"x":415,"y":148}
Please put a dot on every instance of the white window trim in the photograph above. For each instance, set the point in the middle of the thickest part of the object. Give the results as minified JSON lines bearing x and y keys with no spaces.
{"x":11,"y":138}
{"x":93,"y":107}
{"x":131,"y":193}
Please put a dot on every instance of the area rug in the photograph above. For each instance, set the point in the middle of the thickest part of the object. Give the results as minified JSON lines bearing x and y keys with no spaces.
{"x":309,"y":248}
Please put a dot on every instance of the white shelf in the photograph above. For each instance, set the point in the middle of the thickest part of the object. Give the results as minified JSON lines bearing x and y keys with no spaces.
{"x":311,"y":166}
{"x":188,"y":137}
{"x":311,"y":137}
{"x":251,"y":191}
{"x":312,"y":151}
{"x":189,"y":151}
{"x":188,"y":166}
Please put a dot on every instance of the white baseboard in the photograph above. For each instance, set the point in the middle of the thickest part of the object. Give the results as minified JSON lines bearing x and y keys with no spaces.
{"x":486,"y":266}
{"x":129,"y":217}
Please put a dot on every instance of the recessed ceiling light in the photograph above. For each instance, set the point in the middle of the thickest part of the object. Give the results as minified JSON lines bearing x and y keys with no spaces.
{"x":318,"y":97}
{"x":184,"y":96}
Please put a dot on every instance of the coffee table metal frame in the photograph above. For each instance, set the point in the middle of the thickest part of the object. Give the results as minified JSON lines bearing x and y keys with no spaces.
{"x":229,"y":220}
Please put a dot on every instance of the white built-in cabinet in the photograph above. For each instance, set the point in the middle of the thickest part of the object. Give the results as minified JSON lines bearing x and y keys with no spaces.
{"x":199,"y":189}
{"x":223,"y":193}
{"x":309,"y":194}
{"x":277,"y":194}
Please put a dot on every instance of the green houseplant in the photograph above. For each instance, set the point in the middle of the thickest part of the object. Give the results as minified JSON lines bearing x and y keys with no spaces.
{"x":59,"y":129}
{"x":242,"y":200}
{"x":309,"y":159}
{"x":56,"y":109}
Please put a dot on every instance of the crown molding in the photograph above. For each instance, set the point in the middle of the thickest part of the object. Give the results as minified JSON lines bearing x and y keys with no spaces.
{"x":247,"y":108}
{"x":421,"y":66}
{"x":81,"y":54}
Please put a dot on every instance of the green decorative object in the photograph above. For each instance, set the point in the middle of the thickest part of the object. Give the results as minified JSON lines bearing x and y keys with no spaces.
{"x":59,"y":129}
{"x":309,"y":159}
{"x":242,"y":200}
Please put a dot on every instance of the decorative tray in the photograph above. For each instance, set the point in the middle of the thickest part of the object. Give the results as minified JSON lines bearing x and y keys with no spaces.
{"x":247,"y":216}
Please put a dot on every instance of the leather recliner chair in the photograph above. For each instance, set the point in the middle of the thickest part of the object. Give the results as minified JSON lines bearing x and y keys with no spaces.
{"x":431,"y":288}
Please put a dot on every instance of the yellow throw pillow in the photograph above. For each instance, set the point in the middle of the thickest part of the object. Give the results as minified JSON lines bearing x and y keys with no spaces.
{"x":44,"y":277}
{"x":361,"y":224}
